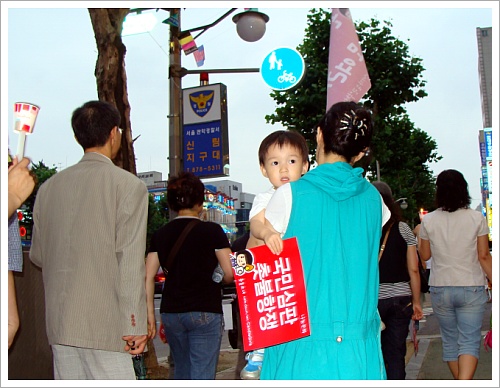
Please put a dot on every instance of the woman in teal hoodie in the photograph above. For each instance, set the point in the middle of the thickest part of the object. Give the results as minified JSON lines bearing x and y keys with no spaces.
{"x":337,"y":217}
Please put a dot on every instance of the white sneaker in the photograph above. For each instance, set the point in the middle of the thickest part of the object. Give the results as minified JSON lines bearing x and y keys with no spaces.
{"x":252,"y":369}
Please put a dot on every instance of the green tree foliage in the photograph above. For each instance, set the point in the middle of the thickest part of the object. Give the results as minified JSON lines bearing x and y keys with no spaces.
{"x":403,"y":151}
{"x":302,"y":107}
{"x":42,"y":173}
{"x":157,"y":216}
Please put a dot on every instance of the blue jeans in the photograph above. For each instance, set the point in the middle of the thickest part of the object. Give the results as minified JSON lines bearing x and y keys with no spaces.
{"x":460,"y":313}
{"x":194,"y":339}
{"x":396,"y":314}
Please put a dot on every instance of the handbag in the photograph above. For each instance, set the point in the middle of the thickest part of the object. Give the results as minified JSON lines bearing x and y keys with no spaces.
{"x":140,"y":369}
{"x":381,"y":252}
{"x":487,"y":338}
{"x":178,"y":244}
{"x":424,"y":281}
{"x":382,"y":247}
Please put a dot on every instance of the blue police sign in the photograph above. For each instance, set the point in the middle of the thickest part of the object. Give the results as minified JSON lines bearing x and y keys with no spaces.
{"x":283,"y":68}
{"x":205,"y":131}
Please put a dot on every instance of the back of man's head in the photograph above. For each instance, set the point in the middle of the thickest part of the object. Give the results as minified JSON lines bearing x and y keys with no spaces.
{"x":93,"y":122}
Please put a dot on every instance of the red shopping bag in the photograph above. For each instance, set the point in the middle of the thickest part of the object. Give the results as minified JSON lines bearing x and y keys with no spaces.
{"x":163,"y":337}
{"x":487,"y":340}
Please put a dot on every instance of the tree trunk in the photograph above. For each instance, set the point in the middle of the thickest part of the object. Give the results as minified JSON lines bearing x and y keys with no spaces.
{"x":111,"y":79}
{"x":111,"y":76}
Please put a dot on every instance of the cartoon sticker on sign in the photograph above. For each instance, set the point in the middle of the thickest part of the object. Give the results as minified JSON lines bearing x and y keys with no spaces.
{"x":271,"y":294}
{"x":201,"y":102}
{"x":242,"y":262}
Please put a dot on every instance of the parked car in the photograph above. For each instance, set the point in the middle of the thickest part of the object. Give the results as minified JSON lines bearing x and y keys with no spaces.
{"x":159,"y":281}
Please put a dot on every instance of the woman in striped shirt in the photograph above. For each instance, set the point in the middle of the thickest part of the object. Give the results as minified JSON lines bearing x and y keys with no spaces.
{"x":399,"y":292}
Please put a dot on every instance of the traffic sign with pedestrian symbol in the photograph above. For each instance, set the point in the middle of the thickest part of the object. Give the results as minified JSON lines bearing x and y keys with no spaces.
{"x":283,"y":68}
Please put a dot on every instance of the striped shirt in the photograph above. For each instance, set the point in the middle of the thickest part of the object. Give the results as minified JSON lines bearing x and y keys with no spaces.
{"x":391,"y":290}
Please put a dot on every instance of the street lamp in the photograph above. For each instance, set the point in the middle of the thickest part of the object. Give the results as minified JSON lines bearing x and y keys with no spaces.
{"x":404,"y":204}
{"x":250,"y":26}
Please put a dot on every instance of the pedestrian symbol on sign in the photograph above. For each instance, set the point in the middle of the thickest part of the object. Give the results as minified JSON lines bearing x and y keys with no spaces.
{"x":273,"y":61}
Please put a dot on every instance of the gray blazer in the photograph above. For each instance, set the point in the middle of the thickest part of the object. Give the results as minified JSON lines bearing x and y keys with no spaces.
{"x":89,"y":238}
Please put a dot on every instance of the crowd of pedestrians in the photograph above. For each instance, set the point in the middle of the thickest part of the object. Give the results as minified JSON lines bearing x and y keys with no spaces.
{"x":89,"y":239}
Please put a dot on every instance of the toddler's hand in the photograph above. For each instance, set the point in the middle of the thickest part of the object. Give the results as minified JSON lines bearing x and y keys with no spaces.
{"x":274,"y":242}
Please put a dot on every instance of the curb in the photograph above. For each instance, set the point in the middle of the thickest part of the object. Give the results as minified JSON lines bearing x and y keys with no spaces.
{"x":415,"y":363}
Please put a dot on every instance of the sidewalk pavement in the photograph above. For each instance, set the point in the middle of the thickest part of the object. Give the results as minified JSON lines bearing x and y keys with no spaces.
{"x":427,"y":364}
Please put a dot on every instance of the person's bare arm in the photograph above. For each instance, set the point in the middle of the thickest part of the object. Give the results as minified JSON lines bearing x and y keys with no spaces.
{"x":152,"y":266}
{"x":263,"y":230}
{"x":412,"y":264}
{"x":21,"y":184}
{"x":484,"y":255}
{"x":423,"y":246}
{"x":224,"y":257}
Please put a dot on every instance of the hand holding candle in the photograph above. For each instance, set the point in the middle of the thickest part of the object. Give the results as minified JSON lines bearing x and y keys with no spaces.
{"x":25,"y":115}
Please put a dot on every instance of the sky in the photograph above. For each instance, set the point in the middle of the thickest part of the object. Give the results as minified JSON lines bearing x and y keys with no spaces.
{"x":49,"y":55}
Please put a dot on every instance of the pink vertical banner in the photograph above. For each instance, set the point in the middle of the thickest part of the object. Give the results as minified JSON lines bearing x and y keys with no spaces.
{"x":348,"y":78}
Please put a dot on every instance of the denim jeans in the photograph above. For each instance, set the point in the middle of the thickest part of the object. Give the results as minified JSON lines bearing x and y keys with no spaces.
{"x":396,"y":314}
{"x":460,"y":313}
{"x":194,"y":339}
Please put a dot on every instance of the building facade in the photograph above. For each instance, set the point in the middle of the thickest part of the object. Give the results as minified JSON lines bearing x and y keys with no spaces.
{"x":242,"y":201}
{"x":225,"y":202}
{"x":485,"y":58}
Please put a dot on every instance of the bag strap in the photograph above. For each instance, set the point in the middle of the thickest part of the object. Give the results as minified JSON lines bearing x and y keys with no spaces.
{"x":178,"y":244}
{"x":382,"y":247}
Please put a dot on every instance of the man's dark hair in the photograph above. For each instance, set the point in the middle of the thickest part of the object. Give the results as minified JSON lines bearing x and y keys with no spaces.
{"x":185,"y":191}
{"x":93,"y":121}
{"x":281,"y":138}
{"x":452,"y":191}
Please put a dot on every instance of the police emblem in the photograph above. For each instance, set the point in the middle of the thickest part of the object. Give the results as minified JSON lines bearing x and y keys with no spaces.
{"x":201,"y":102}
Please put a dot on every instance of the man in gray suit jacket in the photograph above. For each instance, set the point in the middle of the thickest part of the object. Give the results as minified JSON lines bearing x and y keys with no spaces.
{"x":89,"y":238}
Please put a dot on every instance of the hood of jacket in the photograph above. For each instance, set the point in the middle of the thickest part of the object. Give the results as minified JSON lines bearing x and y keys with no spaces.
{"x":338,"y":180}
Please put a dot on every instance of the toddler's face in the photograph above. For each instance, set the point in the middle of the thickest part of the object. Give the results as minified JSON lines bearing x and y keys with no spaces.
{"x":283,"y":164}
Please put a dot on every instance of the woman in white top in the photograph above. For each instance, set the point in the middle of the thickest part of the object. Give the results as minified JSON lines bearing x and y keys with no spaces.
{"x":457,"y":239}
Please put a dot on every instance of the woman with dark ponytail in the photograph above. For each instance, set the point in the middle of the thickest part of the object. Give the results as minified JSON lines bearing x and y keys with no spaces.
{"x":337,"y":217}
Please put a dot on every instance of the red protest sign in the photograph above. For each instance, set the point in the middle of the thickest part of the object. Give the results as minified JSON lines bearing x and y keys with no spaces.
{"x":272,"y":295}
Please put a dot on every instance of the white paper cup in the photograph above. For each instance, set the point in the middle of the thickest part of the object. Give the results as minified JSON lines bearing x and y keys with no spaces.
{"x":25,"y":115}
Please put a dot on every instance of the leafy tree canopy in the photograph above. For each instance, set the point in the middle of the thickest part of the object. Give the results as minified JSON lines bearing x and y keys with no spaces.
{"x":401,"y":150}
{"x":42,"y":173}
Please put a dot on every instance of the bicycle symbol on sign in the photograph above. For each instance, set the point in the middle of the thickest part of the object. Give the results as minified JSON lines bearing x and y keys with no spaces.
{"x":286,"y":77}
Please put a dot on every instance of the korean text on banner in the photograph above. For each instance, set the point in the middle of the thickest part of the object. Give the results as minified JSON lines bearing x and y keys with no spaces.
{"x":348,"y":78}
{"x":271,"y":294}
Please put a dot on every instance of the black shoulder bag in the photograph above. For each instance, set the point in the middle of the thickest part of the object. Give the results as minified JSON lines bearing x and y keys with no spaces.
{"x":178,"y":244}
{"x":424,"y":282}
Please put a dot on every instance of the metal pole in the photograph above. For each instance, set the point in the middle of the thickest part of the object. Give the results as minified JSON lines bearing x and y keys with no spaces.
{"x":175,"y":113}
{"x":222,"y":71}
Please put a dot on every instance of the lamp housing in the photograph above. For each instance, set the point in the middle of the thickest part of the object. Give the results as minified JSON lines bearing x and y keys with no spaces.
{"x":251,"y":24}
